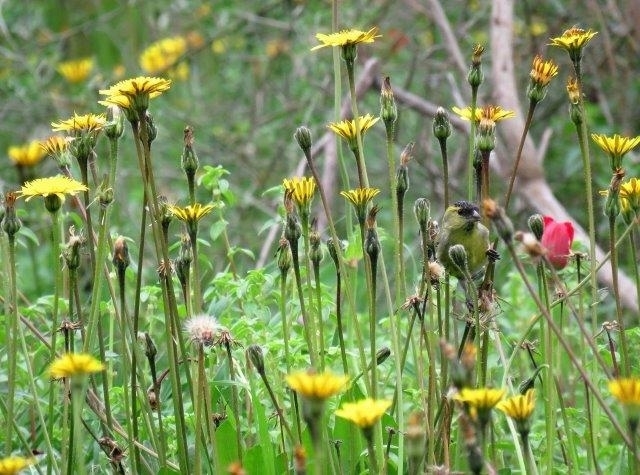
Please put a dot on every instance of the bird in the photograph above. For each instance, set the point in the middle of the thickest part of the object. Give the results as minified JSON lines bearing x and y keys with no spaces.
{"x":461,"y":225}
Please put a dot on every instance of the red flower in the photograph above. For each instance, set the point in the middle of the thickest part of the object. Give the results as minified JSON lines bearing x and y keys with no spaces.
{"x":556,"y":239}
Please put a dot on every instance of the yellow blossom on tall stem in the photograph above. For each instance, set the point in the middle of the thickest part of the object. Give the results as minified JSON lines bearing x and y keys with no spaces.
{"x":616,"y":146}
{"x":75,"y":364}
{"x":302,"y":190}
{"x":85,"y":130}
{"x":346,"y":38}
{"x":347,"y":129}
{"x":359,"y":198}
{"x":317,"y":386}
{"x":542,"y":72}
{"x":489,"y":112}
{"x":519,"y":408}
{"x":573,"y":42}
{"x":364,"y":413}
{"x":26,"y":155}
{"x":630,"y":199}
{"x":52,"y":189}
{"x":133,"y":95}
{"x":163,"y":54}
{"x":481,"y":400}
{"x":76,"y":70}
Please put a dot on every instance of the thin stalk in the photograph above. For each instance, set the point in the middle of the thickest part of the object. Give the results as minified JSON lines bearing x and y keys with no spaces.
{"x":283,"y":316}
{"x":316,"y":277}
{"x":362,"y":168}
{"x":196,"y":303}
{"x":200,"y":382}
{"x":397,"y":219}
{"x":77,"y":399}
{"x":307,"y":326}
{"x":57,"y":272}
{"x":445,"y":170}
{"x":514,"y":172}
{"x":634,"y":258}
{"x":235,"y":399}
{"x":547,"y":351}
{"x":343,"y":350}
{"x":624,"y":345}
{"x":12,"y":337}
{"x":472,"y":139}
{"x":371,"y":450}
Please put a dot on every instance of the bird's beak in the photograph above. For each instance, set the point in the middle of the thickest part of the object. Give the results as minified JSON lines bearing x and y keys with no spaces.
{"x":475,"y":216}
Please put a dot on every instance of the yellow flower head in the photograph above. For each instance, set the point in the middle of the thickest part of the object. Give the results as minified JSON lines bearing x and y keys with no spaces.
{"x":79,"y":124}
{"x":626,"y":391}
{"x":58,"y":148}
{"x":133,"y":95}
{"x":346,"y":38}
{"x":480,"y":399}
{"x":301,"y":190}
{"x":630,"y":195}
{"x":13,"y":465}
{"x":573,"y":41}
{"x":317,"y":386}
{"x":26,"y":155}
{"x":163,"y":54}
{"x":616,"y":146}
{"x":520,"y":407}
{"x":360,"y":196}
{"x":542,"y":72}
{"x":573,"y":90}
{"x":347,"y":128}
{"x":364,"y":413}
{"x":75,"y":364}
{"x":53,"y":186}
{"x":488,"y":113}
{"x":76,"y":70}
{"x":190,"y":214}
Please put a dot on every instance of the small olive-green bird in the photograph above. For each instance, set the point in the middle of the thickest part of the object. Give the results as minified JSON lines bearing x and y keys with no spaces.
{"x":461,"y":225}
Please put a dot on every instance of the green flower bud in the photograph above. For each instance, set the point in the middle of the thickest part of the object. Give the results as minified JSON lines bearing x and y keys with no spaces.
{"x":189,"y":160}
{"x":536,"y":225}
{"x":284,"y":256}
{"x":441,"y":124}
{"x":303,"y":137}
{"x":388,"y":108}
{"x":315,"y":251}
{"x":254,"y":352}
{"x":115,"y":123}
{"x":52,"y":203}
{"x":422,"y":212}
{"x":382,"y":355}
{"x":458,"y":255}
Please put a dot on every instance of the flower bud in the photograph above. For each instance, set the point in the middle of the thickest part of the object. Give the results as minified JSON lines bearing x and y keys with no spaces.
{"x":382,"y":355}
{"x":150,"y":349}
{"x":303,"y":137}
{"x":486,"y":135}
{"x":120,"y":254}
{"x":315,"y":251}
{"x":333,"y":251}
{"x":536,"y":225}
{"x":441,"y":124}
{"x":475,"y":75}
{"x":254,"y":352}
{"x":52,"y":203}
{"x":71,"y":252}
{"x":284,"y":256}
{"x":422,"y":212}
{"x":458,"y":255}
{"x":556,"y":239}
{"x":496,"y":214}
{"x":388,"y":108}
{"x":152,"y":131}
{"x":189,"y":160}
{"x":115,"y":123}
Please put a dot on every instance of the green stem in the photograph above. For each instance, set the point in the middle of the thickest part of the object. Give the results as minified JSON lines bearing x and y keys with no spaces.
{"x":283,"y":316}
{"x":445,"y":170}
{"x":362,"y":168}
{"x":514,"y":172}
{"x":320,"y":325}
{"x":624,"y":345}
{"x":305,"y":317}
{"x":472,"y":140}
{"x":12,"y":336}
{"x":196,"y":305}
{"x":235,"y":400}
{"x":77,"y":399}
{"x":200,"y":382}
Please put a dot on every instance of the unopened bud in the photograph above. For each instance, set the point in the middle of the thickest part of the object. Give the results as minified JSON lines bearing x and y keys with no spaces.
{"x":315,"y":251}
{"x":71,"y":253}
{"x":458,"y":255}
{"x":303,"y":137}
{"x":333,"y":251}
{"x":496,"y":214}
{"x":388,"y":108}
{"x":152,"y":131}
{"x":422,"y":212}
{"x":120,"y":254}
{"x":150,"y":349}
{"x":189,"y":159}
{"x":475,"y":75}
{"x":382,"y":355}
{"x":115,"y":123}
{"x":254,"y":352}
{"x":284,"y":256}
{"x":536,"y":225}
{"x":441,"y":124}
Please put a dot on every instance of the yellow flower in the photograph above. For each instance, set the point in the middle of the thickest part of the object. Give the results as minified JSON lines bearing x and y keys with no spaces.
{"x":630,"y":195}
{"x":81,"y":123}
{"x":616,"y":146}
{"x":573,"y":40}
{"x":480,"y":399}
{"x":58,"y":148}
{"x":490,"y":113}
{"x":347,"y":128}
{"x":542,"y":71}
{"x":364,"y":413}
{"x":75,"y":364}
{"x":346,"y":38}
{"x":76,"y":70}
{"x":12,"y":465}
{"x":301,"y":189}
{"x":163,"y":54}
{"x":26,"y":155}
{"x":53,"y":186}
{"x":133,"y":95}
{"x":627,"y":392}
{"x":520,"y":407}
{"x":190,"y":214}
{"x":317,"y":386}
{"x":360,"y":196}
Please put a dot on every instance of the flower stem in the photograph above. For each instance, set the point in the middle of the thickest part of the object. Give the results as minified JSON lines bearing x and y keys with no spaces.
{"x":523,"y":138}
{"x":472,"y":140}
{"x":624,"y":346}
